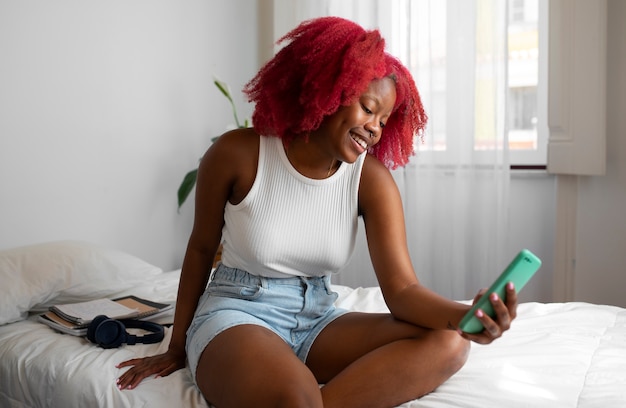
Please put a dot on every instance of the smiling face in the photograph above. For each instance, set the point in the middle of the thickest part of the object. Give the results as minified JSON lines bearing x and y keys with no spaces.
{"x":354,"y":128}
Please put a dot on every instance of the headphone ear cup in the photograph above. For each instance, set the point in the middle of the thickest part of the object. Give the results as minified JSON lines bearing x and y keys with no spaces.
{"x":91,"y":329}
{"x":109,"y":333}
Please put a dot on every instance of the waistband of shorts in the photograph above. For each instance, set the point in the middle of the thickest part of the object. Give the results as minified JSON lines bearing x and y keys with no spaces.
{"x":240,"y":276}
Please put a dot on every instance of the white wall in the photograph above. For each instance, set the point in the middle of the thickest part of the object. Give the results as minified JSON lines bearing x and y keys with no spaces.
{"x":104,"y":106}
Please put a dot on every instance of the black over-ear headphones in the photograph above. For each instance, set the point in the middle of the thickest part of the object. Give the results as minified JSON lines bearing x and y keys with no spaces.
{"x":111,"y":333}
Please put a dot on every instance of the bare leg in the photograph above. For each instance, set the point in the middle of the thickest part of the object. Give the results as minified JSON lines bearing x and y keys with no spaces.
{"x":374,"y":360}
{"x":249,"y":366}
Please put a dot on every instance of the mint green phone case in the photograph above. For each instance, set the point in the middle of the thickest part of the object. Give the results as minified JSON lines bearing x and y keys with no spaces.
{"x":519,"y":271}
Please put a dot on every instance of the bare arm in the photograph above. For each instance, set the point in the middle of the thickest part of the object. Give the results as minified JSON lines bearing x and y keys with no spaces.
{"x":212,"y":191}
{"x":381,"y":206}
{"x":226,"y":173}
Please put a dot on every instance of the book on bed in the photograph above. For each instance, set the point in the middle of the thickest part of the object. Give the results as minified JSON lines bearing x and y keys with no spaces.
{"x":74,"y":318}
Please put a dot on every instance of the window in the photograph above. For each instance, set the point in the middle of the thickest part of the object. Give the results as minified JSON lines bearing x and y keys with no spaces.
{"x":526,"y":111}
{"x":452,"y":57}
{"x":517,"y":10}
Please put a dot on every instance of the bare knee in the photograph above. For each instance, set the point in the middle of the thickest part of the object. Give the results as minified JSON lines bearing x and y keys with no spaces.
{"x":288,"y":389}
{"x":446,"y":353}
{"x":455,"y":350}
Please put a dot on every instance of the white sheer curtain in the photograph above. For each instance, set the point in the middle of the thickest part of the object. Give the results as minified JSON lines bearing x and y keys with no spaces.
{"x":455,"y":190}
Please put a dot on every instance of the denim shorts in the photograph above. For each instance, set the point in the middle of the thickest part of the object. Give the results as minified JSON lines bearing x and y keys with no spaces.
{"x":296,"y":308}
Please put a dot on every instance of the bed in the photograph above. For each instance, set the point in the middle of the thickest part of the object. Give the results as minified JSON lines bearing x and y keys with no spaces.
{"x":555,"y":355}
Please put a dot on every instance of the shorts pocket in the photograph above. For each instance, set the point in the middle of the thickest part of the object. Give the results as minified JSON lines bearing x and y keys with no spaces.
{"x":225,"y":288}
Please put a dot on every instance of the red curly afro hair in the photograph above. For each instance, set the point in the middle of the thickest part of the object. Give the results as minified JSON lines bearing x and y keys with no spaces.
{"x":329,"y":62}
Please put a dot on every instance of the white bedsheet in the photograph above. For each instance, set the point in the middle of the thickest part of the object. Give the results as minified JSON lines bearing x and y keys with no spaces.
{"x":556,"y":355}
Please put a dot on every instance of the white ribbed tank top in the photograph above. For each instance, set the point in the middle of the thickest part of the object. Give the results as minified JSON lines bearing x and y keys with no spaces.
{"x":289,"y":224}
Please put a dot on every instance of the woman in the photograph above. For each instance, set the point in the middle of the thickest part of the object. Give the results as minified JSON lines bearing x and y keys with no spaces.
{"x":284,"y":199}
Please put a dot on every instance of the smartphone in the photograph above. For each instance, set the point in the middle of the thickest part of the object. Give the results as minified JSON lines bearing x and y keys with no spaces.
{"x":519,"y":271}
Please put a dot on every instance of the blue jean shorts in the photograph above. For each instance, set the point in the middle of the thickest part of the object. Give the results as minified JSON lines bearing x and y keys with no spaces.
{"x":296,"y":308}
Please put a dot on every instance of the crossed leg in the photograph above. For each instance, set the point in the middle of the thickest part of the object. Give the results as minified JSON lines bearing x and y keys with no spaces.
{"x":374,"y":360}
{"x":363,"y":359}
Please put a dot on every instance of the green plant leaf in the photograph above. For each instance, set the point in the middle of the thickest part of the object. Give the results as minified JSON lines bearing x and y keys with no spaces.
{"x":224,"y":88}
{"x":186,"y":186}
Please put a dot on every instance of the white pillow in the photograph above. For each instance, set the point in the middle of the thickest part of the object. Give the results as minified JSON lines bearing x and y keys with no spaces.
{"x":35,"y":277}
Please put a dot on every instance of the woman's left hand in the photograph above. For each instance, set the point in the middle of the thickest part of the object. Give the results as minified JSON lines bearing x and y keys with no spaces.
{"x":505,"y":313}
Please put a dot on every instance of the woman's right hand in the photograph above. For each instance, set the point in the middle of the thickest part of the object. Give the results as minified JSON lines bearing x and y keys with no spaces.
{"x":159,"y":365}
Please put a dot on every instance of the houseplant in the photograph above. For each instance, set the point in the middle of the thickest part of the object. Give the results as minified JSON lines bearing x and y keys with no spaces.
{"x":189,"y":181}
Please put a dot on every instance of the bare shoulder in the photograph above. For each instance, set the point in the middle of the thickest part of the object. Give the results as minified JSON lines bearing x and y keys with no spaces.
{"x":372,"y":167}
{"x":237,"y":143}
{"x":232,"y":150}
{"x":232,"y":161}
{"x":377,"y":184}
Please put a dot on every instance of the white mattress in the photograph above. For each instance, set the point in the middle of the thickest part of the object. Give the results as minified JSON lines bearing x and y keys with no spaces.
{"x":556,"y":355}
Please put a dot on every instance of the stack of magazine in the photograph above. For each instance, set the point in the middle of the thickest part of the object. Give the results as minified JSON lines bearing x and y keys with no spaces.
{"x":74,"y":318}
